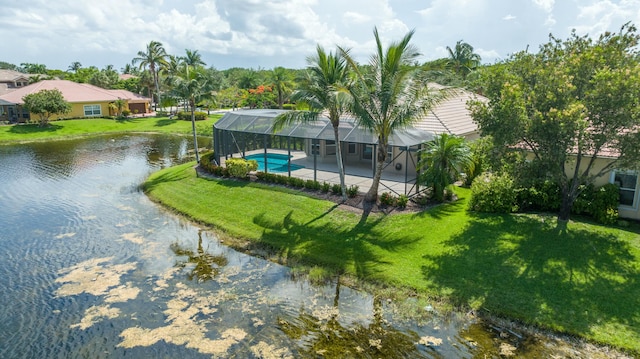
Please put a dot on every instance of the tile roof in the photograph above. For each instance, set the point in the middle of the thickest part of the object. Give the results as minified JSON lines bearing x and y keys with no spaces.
{"x":11,"y":75}
{"x":73,"y":92}
{"x":451,"y":115}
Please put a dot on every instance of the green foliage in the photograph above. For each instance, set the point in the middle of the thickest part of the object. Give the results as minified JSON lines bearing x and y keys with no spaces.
{"x":186,"y":115}
{"x":442,"y":161}
{"x":295,"y":182}
{"x":540,"y":196}
{"x":577,"y":96}
{"x":240,"y":168}
{"x":126,"y":112}
{"x":604,"y":206}
{"x":493,"y":193}
{"x":312,"y":185}
{"x":387,"y":199}
{"x":46,"y":103}
{"x":336,"y":189}
{"x":402,"y":201}
{"x":325,"y":187}
{"x":352,"y":191}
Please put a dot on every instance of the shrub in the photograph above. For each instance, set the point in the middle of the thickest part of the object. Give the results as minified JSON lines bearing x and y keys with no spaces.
{"x":402,"y":201}
{"x":239,"y":167}
{"x":186,"y":116}
{"x":281,"y":179}
{"x":261,"y":176}
{"x":604,"y":206}
{"x":387,"y":199}
{"x":541,"y":196}
{"x":493,"y":193}
{"x":312,"y":185}
{"x":126,"y":112}
{"x":352,"y":191}
{"x":336,"y":189}
{"x":325,"y":187}
{"x":296,"y":182}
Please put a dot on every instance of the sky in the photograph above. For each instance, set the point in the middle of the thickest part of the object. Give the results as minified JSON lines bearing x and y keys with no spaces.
{"x":263,"y":34}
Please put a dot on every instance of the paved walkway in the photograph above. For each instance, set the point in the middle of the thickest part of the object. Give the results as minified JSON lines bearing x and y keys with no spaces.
{"x":359,"y":175}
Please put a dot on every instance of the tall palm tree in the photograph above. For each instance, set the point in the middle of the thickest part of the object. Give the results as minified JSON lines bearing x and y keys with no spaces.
{"x":192,"y":84}
{"x":281,"y":79}
{"x":193,"y":58}
{"x":462,"y":59}
{"x":387,"y":97}
{"x":442,"y":160}
{"x":154,"y":57}
{"x":322,"y":90}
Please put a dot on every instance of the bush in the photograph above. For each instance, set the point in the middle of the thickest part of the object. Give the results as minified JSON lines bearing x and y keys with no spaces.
{"x":336,"y":189}
{"x":541,"y":196}
{"x":296,"y":182}
{"x":186,"y":115}
{"x":325,"y":187}
{"x":493,"y":193}
{"x":604,"y":206}
{"x":402,"y":201}
{"x":387,"y":199}
{"x":312,"y":185}
{"x":126,"y":112}
{"x":240,"y":168}
{"x":352,"y":191}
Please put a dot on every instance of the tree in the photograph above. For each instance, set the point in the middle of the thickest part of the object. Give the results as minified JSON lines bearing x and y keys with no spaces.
{"x":282,"y":82}
{"x":441,"y":162}
{"x":75,"y":66}
{"x":33,"y":68}
{"x":462,"y":60}
{"x":387,"y":96}
{"x":192,"y":84}
{"x":572,"y":102}
{"x":154,"y":57}
{"x":45,"y":104}
{"x":327,"y":75}
{"x":118,"y":105}
{"x":193,"y":58}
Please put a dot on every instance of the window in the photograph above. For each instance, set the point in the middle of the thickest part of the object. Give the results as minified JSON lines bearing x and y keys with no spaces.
{"x":92,"y":110}
{"x":351,"y":148}
{"x":627,"y":182}
{"x":330,"y":146}
{"x":389,"y":154}
{"x":315,"y":147}
{"x":367,"y":152}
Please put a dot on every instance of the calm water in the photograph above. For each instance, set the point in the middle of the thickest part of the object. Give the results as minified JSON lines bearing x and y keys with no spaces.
{"x":90,"y":268}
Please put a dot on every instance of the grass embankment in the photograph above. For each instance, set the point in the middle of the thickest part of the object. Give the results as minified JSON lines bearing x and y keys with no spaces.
{"x":584,"y":280}
{"x":87,"y":127}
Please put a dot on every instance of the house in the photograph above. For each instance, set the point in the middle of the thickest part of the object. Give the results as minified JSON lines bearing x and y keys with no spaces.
{"x":238,"y":132}
{"x":11,"y":80}
{"x":86,"y":100}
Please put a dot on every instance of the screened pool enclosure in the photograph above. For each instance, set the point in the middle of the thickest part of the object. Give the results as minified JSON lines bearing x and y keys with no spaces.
{"x":250,"y":132}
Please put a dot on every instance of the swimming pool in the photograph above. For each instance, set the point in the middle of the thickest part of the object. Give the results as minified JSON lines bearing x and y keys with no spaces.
{"x":276,"y":162}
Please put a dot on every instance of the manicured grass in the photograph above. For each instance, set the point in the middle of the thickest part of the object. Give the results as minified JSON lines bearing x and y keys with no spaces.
{"x":583,"y":279}
{"x":83,"y":127}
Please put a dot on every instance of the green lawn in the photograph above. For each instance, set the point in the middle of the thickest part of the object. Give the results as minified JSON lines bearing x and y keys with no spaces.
{"x":70,"y":128}
{"x":583,"y":280}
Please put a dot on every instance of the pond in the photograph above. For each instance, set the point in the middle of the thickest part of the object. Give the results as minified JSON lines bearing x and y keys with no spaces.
{"x":92,"y":268}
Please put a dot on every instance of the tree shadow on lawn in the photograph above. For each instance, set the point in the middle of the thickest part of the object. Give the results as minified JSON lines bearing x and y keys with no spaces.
{"x":579,"y":281}
{"x":164,"y":122}
{"x":341,"y":248}
{"x":34,"y":128}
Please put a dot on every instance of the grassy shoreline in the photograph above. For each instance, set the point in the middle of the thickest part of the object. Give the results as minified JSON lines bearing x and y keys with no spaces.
{"x":582,"y":281}
{"x":66,"y":129}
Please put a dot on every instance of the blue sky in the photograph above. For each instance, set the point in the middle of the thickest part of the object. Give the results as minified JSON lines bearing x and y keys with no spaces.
{"x":264,"y":34}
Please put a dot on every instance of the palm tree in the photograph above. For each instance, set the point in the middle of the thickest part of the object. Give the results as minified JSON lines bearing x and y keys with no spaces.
{"x":193,"y":58}
{"x":387,"y":97}
{"x":442,"y":160}
{"x":75,"y":66}
{"x":192,"y":84}
{"x":154,"y":57}
{"x":323,"y":91}
{"x":462,"y":59}
{"x":282,"y":83}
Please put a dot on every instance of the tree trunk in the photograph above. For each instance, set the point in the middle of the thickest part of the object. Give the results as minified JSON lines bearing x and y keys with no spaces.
{"x":372,"y":195}
{"x":193,"y":128}
{"x":565,"y":205}
{"x":343,"y":186}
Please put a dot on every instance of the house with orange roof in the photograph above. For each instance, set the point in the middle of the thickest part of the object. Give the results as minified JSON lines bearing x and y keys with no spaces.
{"x":86,"y":100}
{"x":11,"y":80}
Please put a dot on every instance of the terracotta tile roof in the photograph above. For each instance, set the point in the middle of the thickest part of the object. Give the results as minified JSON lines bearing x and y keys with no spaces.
{"x":452,"y":115}
{"x":73,"y":92}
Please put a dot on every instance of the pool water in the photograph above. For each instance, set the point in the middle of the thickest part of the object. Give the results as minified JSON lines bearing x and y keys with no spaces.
{"x":276,"y":162}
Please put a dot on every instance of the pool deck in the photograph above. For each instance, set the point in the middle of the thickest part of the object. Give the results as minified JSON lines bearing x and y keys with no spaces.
{"x":359,"y":175}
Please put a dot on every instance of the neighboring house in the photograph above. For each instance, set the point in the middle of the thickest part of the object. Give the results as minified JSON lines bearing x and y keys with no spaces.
{"x":86,"y":100}
{"x":11,"y":80}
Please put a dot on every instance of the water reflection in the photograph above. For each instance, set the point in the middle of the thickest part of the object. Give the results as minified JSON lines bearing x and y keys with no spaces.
{"x":206,"y":266}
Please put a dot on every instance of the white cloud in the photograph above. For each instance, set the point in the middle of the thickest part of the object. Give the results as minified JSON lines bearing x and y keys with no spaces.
{"x":546,"y":5}
{"x":509,"y":17}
